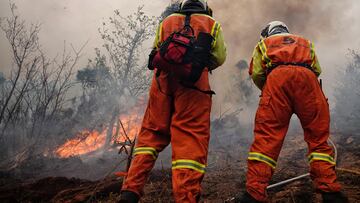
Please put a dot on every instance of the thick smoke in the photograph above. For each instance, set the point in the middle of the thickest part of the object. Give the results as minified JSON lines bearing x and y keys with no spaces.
{"x":326,"y":23}
{"x":330,"y":24}
{"x":242,"y":20}
{"x":74,"y":22}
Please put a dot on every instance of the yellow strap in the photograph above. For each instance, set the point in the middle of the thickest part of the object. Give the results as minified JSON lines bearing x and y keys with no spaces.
{"x":214,"y":29}
{"x":215,"y":33}
{"x":258,"y":73}
{"x":265,"y":57}
{"x":312,"y":52}
{"x":188,"y":164}
{"x":146,"y":150}
{"x":315,"y":156}
{"x":146,"y":153}
{"x":255,"y":156}
{"x":158,"y":35}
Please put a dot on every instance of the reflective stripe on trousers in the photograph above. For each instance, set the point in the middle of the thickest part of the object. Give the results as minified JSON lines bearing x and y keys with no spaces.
{"x":146,"y":150}
{"x":188,"y":164}
{"x":255,"y":156}
{"x":321,"y":157}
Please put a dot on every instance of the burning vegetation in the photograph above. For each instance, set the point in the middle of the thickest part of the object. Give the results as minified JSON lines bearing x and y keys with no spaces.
{"x":40,"y":123}
{"x":86,"y":141}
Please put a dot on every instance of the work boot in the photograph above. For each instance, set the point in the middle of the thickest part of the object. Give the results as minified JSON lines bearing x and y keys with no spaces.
{"x":334,"y":197}
{"x":246,"y":198}
{"x":128,"y":197}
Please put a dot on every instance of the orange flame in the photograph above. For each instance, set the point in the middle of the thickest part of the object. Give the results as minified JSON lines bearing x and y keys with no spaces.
{"x":84,"y":143}
{"x":89,"y":141}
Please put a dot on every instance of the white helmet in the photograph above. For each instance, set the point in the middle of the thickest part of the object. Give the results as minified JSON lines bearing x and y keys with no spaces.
{"x":202,"y":3}
{"x":274,"y":27}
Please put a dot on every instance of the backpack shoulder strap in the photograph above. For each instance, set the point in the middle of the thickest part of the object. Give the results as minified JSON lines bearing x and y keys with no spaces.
{"x":187,"y":20}
{"x":187,"y":25}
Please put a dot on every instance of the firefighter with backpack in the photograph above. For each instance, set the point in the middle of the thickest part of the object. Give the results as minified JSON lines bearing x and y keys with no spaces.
{"x":188,"y":44}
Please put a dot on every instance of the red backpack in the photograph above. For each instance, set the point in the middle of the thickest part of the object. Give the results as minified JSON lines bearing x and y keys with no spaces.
{"x":183,"y":55}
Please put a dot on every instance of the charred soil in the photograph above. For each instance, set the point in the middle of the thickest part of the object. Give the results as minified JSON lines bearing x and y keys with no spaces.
{"x":224,"y":179}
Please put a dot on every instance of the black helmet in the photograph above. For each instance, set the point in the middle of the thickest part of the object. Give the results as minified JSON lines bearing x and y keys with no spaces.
{"x":194,"y":6}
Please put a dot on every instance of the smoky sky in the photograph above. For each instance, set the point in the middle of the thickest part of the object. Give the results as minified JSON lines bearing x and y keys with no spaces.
{"x":70,"y":21}
{"x":318,"y":21}
{"x":333,"y":25}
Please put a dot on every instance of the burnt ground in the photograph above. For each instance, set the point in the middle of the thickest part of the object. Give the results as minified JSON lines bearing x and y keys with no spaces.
{"x":224,"y":179}
{"x":218,"y":186}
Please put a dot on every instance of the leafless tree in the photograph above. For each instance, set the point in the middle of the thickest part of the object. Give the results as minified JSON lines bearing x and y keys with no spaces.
{"x":347,"y":95}
{"x":35,"y":94}
{"x":23,"y":43}
{"x":118,"y":74}
{"x":124,"y":38}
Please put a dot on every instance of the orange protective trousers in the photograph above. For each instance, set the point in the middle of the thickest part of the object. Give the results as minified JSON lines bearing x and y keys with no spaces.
{"x":288,"y":90}
{"x":180,"y":116}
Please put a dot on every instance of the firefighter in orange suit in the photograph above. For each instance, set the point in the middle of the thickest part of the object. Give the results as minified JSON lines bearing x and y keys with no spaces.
{"x":284,"y":66}
{"x":178,"y":115}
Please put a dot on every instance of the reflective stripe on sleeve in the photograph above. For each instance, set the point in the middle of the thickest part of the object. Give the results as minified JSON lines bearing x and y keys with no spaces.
{"x":321,"y":157}
{"x":146,"y":150}
{"x":158,"y":36}
{"x":215,"y":29}
{"x":312,"y":53}
{"x":160,"y":32}
{"x":255,"y":156}
{"x":265,"y":57}
{"x":214,"y":32}
{"x":188,"y":164}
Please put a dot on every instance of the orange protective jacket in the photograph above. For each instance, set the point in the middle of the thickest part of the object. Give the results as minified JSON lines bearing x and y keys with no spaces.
{"x":281,"y":48}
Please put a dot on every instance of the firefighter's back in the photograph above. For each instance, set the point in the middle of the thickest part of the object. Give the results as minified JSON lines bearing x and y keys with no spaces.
{"x":176,"y":22}
{"x":289,"y":49}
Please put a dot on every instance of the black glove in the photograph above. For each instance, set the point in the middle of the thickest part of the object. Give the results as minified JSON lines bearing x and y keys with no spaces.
{"x":202,"y":51}
{"x":334,"y":197}
{"x":151,"y":58}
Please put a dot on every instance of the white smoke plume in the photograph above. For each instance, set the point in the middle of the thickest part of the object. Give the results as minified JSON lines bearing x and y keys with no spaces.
{"x":331,"y":25}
